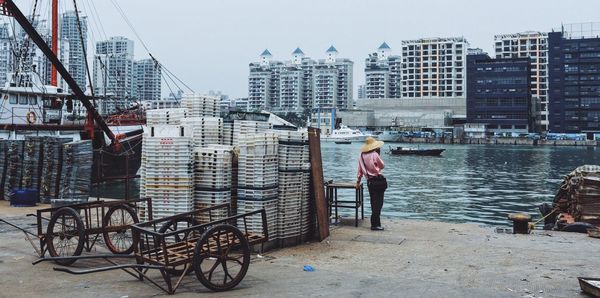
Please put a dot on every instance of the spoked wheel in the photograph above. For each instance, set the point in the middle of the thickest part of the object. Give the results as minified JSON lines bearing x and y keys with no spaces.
{"x":118,"y":221}
{"x":176,"y":225}
{"x":221,"y":258}
{"x":65,"y":235}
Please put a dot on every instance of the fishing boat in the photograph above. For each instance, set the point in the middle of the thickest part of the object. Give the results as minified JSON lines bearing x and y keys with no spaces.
{"x":416,"y":151}
{"x":28,"y":107}
{"x":344,"y":133}
{"x":590,"y":285}
{"x":343,"y":142}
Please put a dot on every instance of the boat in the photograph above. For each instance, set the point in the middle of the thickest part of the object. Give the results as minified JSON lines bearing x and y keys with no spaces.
{"x":416,"y":151}
{"x":590,"y":285}
{"x":343,"y":142}
{"x":344,"y":133}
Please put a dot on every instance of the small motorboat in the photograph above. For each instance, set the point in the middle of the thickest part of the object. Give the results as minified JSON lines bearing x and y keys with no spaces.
{"x":344,"y":141}
{"x":416,"y":151}
{"x":590,"y":286}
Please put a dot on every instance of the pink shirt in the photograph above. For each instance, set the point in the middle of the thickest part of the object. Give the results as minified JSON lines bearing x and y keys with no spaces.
{"x":372,"y":165}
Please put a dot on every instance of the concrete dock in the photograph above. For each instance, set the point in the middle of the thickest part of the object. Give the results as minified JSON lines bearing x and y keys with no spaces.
{"x":409,"y":259}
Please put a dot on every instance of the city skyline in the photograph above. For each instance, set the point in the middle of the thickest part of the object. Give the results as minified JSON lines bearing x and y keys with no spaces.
{"x":230,"y":34}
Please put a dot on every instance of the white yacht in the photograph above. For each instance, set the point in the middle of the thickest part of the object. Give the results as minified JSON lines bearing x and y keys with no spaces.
{"x":344,"y":133}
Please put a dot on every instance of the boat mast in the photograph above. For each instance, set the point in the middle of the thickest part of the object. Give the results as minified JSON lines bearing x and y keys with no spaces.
{"x":54,"y":79}
{"x":8,"y":7}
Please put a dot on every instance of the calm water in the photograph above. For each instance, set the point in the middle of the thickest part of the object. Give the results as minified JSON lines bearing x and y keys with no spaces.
{"x":469,"y":183}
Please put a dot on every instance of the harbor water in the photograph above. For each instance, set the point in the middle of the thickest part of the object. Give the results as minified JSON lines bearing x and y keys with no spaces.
{"x":468,"y":183}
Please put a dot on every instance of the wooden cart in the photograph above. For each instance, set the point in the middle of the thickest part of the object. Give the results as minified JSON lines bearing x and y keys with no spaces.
{"x":209,"y":242}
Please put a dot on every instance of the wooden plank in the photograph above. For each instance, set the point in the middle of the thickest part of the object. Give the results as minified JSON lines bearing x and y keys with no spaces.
{"x":316,"y":168}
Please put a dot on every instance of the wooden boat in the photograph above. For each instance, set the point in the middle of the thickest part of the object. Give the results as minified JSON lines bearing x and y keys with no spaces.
{"x":590,"y":285}
{"x":416,"y":151}
{"x":345,"y":141}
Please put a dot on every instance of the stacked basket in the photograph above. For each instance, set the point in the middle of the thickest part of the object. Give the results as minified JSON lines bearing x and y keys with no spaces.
{"x":3,"y":145}
{"x":51,"y":166}
{"x":294,"y":165}
{"x":212,"y":179}
{"x":227,"y":133}
{"x":257,"y":179}
{"x":14,"y":166}
{"x":75,"y":174}
{"x":247,"y":127}
{"x":32,"y":162}
{"x":171,"y":116}
{"x":204,"y":130}
{"x":167,"y":173}
{"x":200,"y":105}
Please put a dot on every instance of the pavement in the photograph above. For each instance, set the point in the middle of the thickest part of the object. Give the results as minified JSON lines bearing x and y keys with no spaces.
{"x":409,"y":259}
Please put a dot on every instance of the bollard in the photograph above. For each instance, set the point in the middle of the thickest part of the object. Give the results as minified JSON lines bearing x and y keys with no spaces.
{"x":520,"y":222}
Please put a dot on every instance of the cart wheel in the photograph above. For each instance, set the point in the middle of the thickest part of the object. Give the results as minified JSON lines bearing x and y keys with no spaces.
{"x":121,"y":241}
{"x":175,"y":225}
{"x":65,"y":235}
{"x":221,"y":257}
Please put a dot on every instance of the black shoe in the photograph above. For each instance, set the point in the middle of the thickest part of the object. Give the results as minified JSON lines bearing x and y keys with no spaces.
{"x":380,"y":228}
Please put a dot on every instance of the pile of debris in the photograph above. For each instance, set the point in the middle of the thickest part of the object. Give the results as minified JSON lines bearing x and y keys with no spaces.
{"x":579,"y":195}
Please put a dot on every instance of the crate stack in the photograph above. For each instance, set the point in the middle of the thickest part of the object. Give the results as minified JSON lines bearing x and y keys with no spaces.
{"x":3,"y":147}
{"x":170,"y":116}
{"x":294,"y":176}
{"x":14,"y":166}
{"x":167,"y":170}
{"x":227,"y":133}
{"x":32,"y":162}
{"x":212,"y":179}
{"x":51,"y":166}
{"x":75,"y":174}
{"x":247,"y":127}
{"x":200,"y":105}
{"x":257,"y":179}
{"x":204,"y":130}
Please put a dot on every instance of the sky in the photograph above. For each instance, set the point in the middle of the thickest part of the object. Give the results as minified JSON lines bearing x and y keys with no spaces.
{"x":209,"y":44}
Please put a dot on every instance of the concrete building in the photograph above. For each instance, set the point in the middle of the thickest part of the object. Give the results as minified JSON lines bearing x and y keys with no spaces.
{"x":6,"y":56}
{"x":383,"y":74}
{"x":300,"y":83}
{"x":498,"y":93}
{"x":533,"y":45}
{"x":69,"y":30}
{"x":147,"y":76}
{"x":434,"y":67}
{"x":574,"y":76}
{"x":362,"y":92}
{"x":114,"y":73}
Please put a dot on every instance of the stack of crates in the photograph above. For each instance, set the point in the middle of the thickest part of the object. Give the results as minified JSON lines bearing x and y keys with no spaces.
{"x":247,"y":127}
{"x":167,"y":170}
{"x":75,"y":174}
{"x":32,"y":162}
{"x":204,"y":130}
{"x":14,"y":166}
{"x":227,"y":133}
{"x":51,"y":166}
{"x":257,"y":179}
{"x":212,"y":179}
{"x":3,"y":147}
{"x":170,"y":116}
{"x":294,"y":176}
{"x":201,"y":105}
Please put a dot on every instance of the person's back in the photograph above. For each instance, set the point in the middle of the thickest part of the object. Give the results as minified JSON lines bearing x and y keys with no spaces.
{"x":371,"y":166}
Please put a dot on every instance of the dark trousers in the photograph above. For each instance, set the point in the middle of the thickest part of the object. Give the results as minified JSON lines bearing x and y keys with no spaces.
{"x":376,"y":196}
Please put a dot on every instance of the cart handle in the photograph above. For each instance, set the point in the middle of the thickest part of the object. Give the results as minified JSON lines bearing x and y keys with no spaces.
{"x":68,"y":258}
{"x":17,"y":227}
{"x":108,"y":268}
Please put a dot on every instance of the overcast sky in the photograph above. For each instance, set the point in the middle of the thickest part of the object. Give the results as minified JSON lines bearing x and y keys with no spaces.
{"x":209,"y":44}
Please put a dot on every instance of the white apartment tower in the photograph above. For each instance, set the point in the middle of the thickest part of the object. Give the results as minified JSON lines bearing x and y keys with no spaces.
{"x":6,"y":57}
{"x":69,"y":30}
{"x":535,"y":46}
{"x":259,"y":83}
{"x":113,"y":73}
{"x":382,"y":74}
{"x":434,"y":68}
{"x":147,"y":80}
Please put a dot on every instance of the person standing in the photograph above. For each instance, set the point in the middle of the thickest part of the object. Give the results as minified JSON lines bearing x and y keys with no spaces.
{"x":371,"y":166}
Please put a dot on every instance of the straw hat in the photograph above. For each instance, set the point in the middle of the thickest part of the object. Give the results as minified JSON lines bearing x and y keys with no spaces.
{"x":371,"y":144}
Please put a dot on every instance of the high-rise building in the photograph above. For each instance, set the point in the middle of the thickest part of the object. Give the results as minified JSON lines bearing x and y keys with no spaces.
{"x":498,"y":93}
{"x":574,"y":79}
{"x":6,"y":57}
{"x":69,"y":30}
{"x":113,"y":73}
{"x":362,"y":92}
{"x":434,"y":68}
{"x":383,"y":74}
{"x":147,"y":80}
{"x":532,"y":45}
{"x":301,"y":83}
